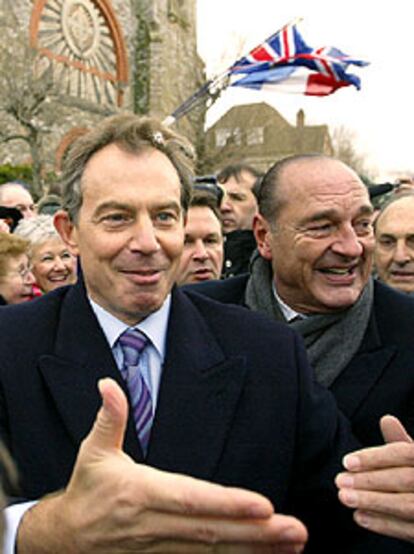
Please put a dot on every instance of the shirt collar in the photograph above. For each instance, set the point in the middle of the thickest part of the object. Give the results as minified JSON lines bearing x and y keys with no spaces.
{"x":154,"y":326}
{"x":289,"y":313}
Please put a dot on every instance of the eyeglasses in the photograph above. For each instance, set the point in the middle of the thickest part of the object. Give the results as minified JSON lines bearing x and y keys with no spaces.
{"x":23,"y":272}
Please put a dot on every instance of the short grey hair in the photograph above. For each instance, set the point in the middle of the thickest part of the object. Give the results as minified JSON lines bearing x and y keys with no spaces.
{"x":269,"y":199}
{"x":133,"y":134}
{"x":392,"y":200}
{"x":37,"y":229}
{"x":11,"y":185}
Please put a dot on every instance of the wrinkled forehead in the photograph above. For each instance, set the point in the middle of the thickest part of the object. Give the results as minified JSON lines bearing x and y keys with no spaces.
{"x":322,"y":182}
{"x":397,"y":216}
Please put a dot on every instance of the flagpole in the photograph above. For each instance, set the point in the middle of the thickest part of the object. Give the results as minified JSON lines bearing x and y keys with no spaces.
{"x":220,"y":79}
{"x":191,"y":102}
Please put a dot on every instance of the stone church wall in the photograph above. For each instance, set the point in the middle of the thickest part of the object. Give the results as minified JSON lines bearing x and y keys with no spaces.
{"x":161,"y":66}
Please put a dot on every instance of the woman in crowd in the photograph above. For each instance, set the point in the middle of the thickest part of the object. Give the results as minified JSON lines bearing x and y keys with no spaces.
{"x":16,"y":277}
{"x":53,"y":264}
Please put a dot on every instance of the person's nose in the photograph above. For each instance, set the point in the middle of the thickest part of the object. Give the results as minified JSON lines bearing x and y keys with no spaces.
{"x":348,"y":243}
{"x":29,"y":278}
{"x":58,"y":264}
{"x":200,"y":251}
{"x":144,"y":239}
{"x":401,"y":254}
{"x":226,"y":205}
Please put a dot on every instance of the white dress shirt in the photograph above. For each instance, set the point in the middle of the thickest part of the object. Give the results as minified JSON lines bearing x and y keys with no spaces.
{"x":152,"y":358}
{"x":289,"y":313}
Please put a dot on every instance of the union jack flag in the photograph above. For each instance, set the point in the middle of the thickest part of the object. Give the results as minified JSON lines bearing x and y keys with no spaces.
{"x":281,"y":47}
{"x":285,"y":62}
{"x":281,"y":57}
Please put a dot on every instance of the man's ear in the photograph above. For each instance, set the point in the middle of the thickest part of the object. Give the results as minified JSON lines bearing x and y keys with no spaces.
{"x":262,"y":234}
{"x":66,"y":230}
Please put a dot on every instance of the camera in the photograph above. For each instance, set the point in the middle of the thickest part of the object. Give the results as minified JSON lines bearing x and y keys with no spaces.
{"x":12,"y":216}
{"x":209,"y":184}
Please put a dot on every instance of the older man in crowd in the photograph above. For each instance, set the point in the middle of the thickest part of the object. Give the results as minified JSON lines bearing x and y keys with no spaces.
{"x":313,"y":270}
{"x":16,"y":195}
{"x":202,"y":257}
{"x":394,"y":245}
{"x":315,"y":242}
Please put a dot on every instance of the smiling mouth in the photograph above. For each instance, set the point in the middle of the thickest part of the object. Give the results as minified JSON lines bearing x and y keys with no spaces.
{"x":143,"y":277}
{"x":141,"y":272}
{"x":58,"y":279}
{"x":338,"y":270}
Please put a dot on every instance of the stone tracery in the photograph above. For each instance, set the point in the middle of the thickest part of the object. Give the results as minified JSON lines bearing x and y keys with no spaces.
{"x":83,"y":41}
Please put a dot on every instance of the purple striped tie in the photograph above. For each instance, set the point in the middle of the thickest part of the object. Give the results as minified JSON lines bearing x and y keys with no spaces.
{"x":132,"y":343}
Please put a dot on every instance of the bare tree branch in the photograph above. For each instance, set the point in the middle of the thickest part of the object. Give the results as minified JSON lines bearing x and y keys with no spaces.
{"x":27,"y":91}
{"x":344,"y":145}
{"x":10,"y":138}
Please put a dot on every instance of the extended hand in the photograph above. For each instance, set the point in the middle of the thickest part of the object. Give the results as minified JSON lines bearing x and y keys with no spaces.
{"x":113,"y":505}
{"x":380,"y":483}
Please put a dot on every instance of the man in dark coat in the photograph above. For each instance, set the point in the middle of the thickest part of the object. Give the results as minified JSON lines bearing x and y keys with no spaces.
{"x":238,"y":208}
{"x":313,"y":270}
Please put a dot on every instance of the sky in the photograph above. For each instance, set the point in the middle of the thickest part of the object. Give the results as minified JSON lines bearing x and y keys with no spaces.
{"x":380,"y":116}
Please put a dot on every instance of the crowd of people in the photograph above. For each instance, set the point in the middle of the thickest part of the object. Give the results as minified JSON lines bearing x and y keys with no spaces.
{"x":230,"y":367}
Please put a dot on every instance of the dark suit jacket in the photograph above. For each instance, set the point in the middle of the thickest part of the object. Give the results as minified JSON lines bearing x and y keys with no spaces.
{"x":379,"y":379}
{"x":236,"y":404}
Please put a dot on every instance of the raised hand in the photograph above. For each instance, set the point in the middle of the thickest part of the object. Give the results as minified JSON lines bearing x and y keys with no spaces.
{"x":379,"y":483}
{"x":113,"y":505}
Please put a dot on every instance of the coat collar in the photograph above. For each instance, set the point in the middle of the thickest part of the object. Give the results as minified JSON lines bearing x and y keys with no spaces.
{"x":81,"y":357}
{"x":198,"y":395}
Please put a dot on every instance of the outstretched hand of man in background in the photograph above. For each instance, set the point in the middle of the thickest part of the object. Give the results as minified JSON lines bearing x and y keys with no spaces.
{"x":113,"y":505}
{"x":379,"y":483}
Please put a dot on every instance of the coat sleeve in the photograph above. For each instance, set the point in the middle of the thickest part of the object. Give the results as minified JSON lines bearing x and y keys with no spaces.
{"x":323,"y":438}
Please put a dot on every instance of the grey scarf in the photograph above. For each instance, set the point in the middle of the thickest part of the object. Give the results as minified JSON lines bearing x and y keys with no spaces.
{"x":331,"y":340}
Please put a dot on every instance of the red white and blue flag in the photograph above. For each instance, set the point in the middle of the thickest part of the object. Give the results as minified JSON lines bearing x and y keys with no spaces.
{"x":285,"y":61}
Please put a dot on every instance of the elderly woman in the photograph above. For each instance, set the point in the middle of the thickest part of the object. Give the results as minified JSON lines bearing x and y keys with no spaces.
{"x":53,"y":265}
{"x":16,"y":277}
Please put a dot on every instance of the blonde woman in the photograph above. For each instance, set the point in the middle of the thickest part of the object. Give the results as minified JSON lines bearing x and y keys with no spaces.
{"x":53,"y":265}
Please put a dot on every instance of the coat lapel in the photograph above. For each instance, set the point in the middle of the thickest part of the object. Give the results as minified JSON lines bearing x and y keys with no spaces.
{"x":198,"y":395}
{"x":82,"y":356}
{"x":361,"y":375}
{"x":199,"y":390}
